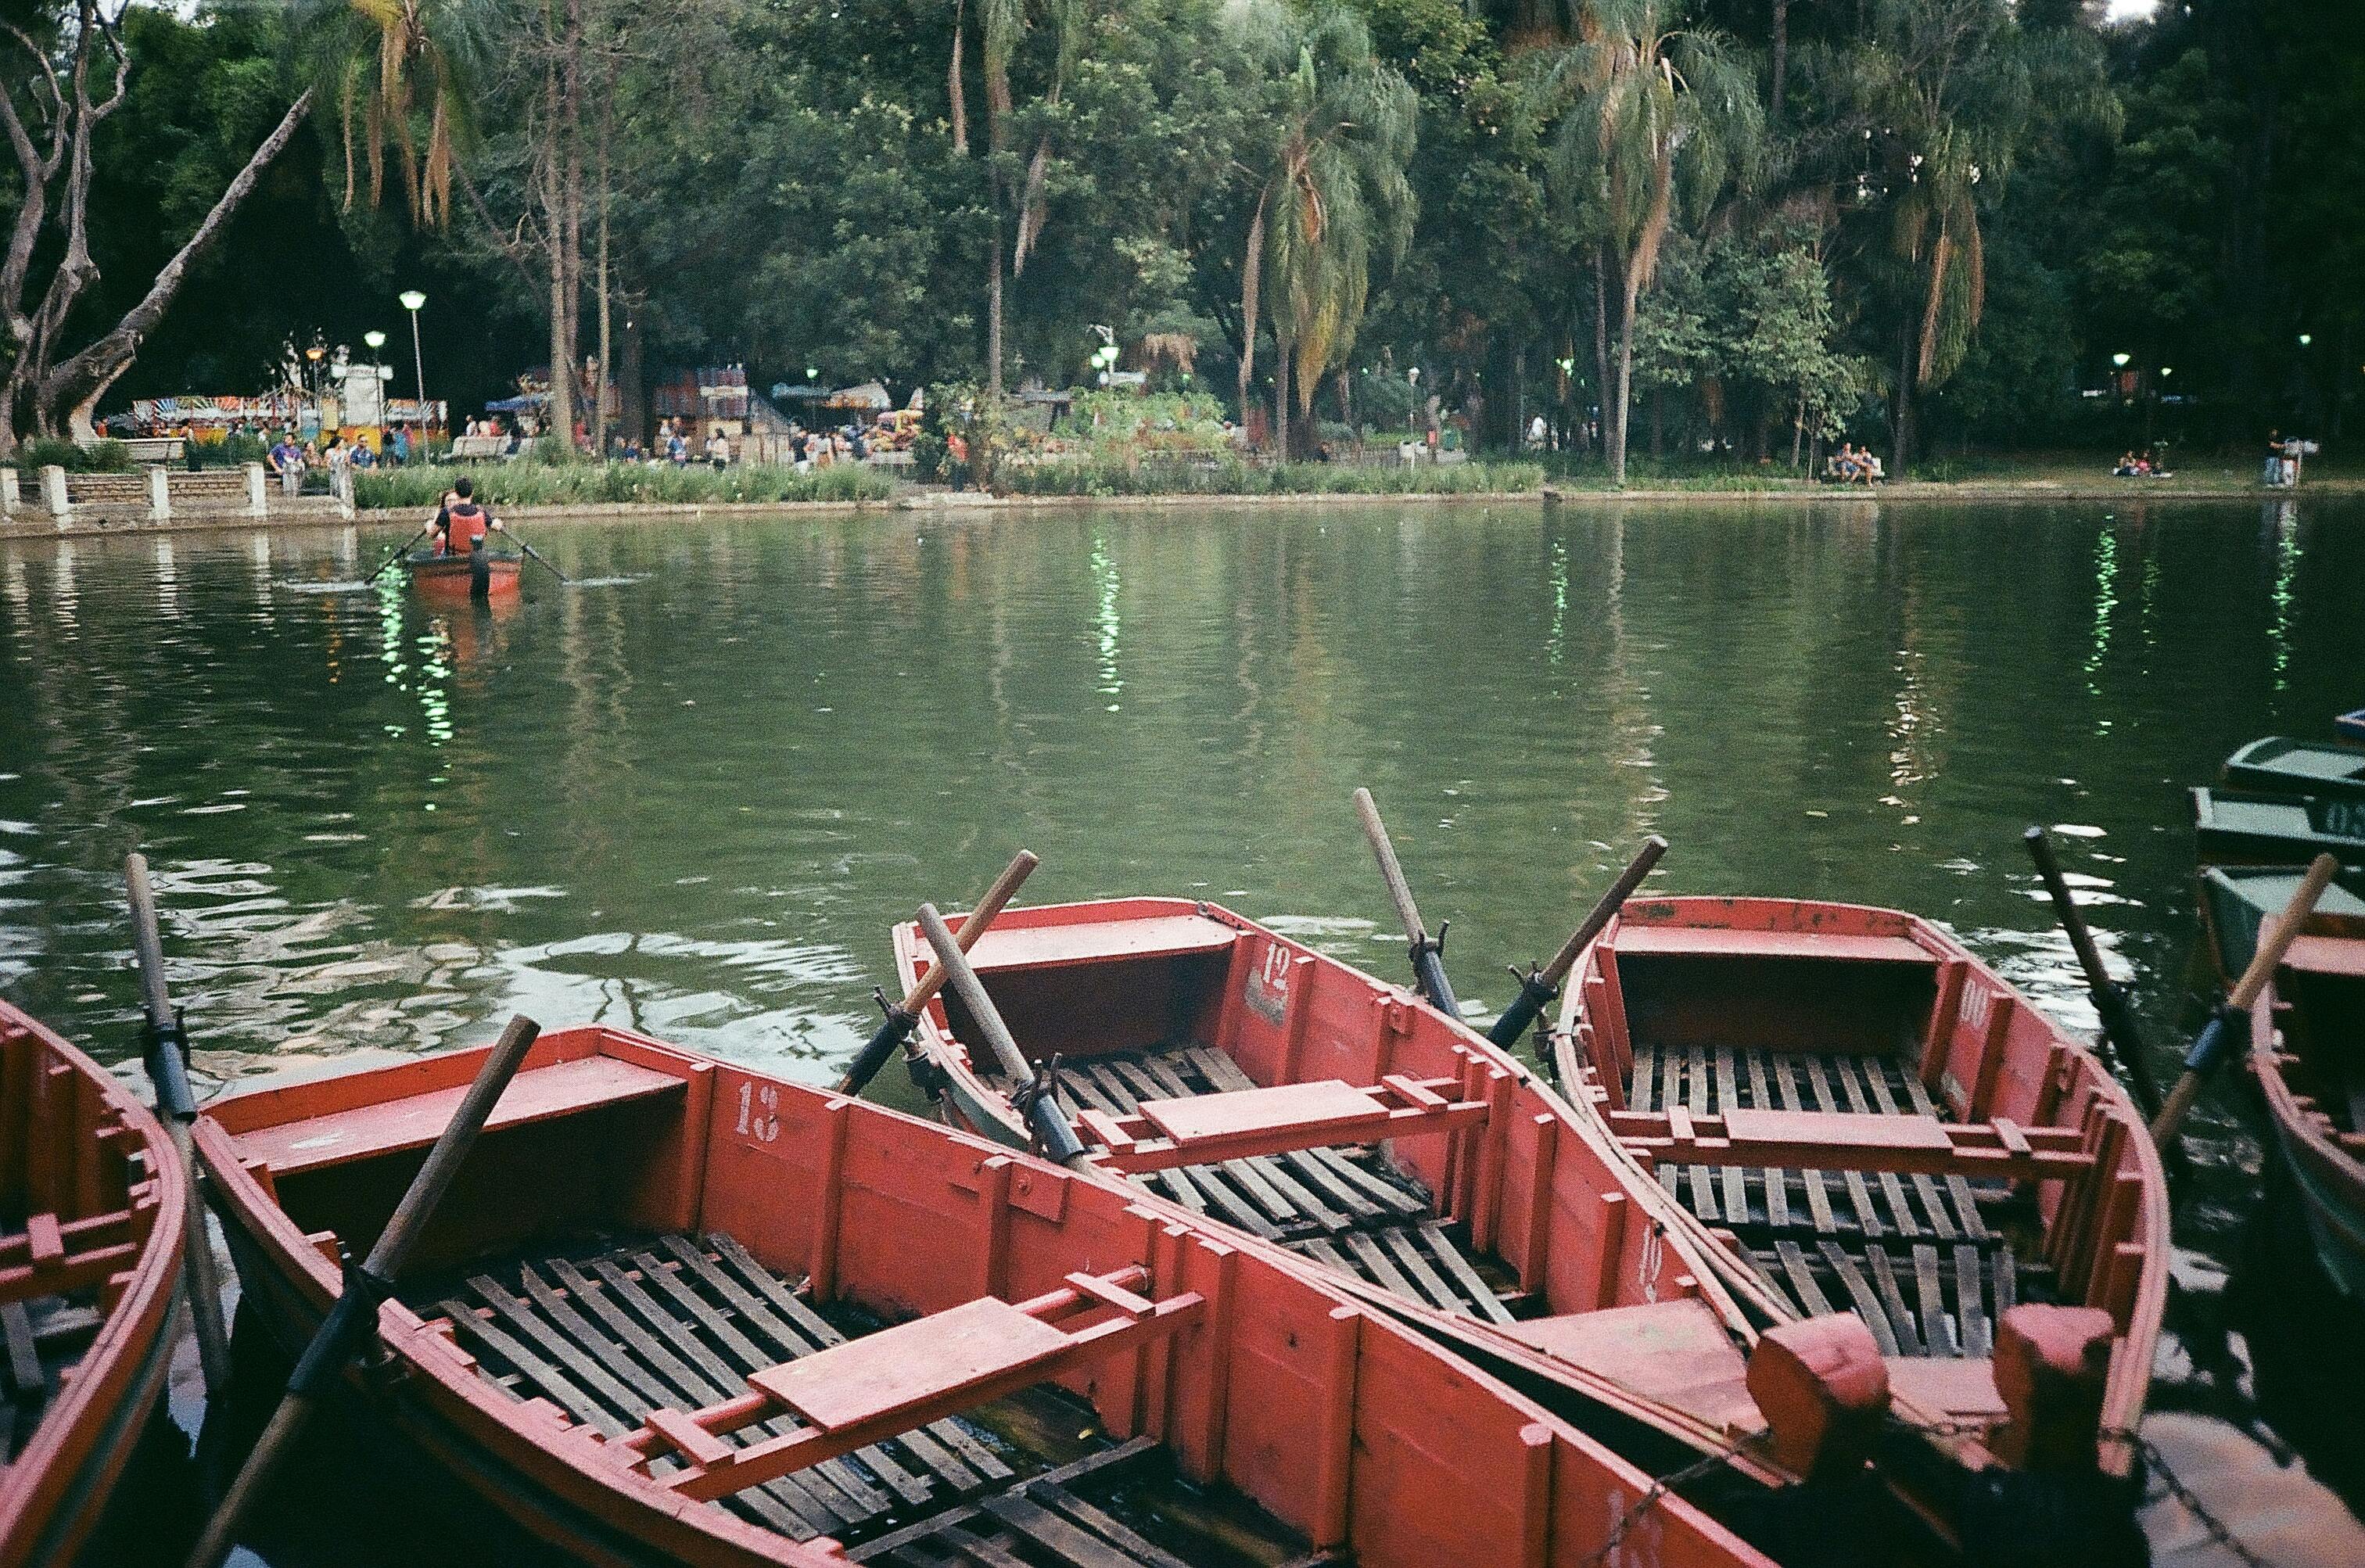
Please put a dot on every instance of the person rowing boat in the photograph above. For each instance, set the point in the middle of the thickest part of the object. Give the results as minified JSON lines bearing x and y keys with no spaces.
{"x":462,"y":521}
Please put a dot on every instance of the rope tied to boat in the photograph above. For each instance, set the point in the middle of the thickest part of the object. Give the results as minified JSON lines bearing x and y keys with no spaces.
{"x":903,"y":1019}
{"x":1661,"y":1487}
{"x":2155,"y":1463}
{"x":1044,"y":1085}
{"x":352,"y":1323}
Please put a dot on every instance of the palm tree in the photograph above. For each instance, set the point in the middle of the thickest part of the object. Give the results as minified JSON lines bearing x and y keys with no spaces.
{"x":1656,"y":117}
{"x":395,"y":68}
{"x":1333,"y":192}
{"x":1937,"y":94}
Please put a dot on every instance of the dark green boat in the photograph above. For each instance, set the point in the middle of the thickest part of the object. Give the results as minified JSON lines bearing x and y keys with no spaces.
{"x":2234,"y":900}
{"x":2281,"y":766}
{"x":2237,"y":827}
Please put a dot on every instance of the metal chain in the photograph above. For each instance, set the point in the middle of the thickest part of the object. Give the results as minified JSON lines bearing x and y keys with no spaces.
{"x":2156,"y":1462}
{"x":1660,"y":1487}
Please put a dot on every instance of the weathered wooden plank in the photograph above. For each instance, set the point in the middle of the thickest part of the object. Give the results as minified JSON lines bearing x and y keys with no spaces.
{"x":1064,"y":1538}
{"x":1818,"y":1197}
{"x":1645,"y":1077}
{"x":2005,"y":1271}
{"x":1803,"y":1279}
{"x":1458,"y":1269}
{"x":536,"y":1372}
{"x":1695,"y":1081}
{"x":1969,"y":1287}
{"x":1375,"y":1266}
{"x":1106,"y":1463}
{"x":1703,"y":1200}
{"x":1431,"y":1283}
{"x":1860,"y":1294}
{"x":1101,"y":1523}
{"x":1892,"y":1303}
{"x":24,"y":1356}
{"x":1929,"y":1293}
{"x":557,"y":1348}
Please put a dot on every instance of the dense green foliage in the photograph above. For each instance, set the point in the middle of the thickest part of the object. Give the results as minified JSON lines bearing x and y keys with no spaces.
{"x":532,"y":483}
{"x":1921,"y":223}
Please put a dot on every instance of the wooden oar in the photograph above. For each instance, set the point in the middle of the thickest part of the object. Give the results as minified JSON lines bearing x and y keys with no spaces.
{"x":163,"y":1051}
{"x":1037,"y":1102}
{"x":904,"y":1017}
{"x":403,"y":550}
{"x":2110,"y":997}
{"x":353,"y":1319}
{"x":2219,"y":1036}
{"x":535,"y":554}
{"x":1426,"y":953}
{"x":1538,"y":987}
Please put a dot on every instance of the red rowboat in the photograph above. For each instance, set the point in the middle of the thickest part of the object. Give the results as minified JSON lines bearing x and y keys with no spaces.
{"x":452,"y":576}
{"x":1869,"y":1119}
{"x":90,"y":1270}
{"x":675,"y":1311}
{"x":2307,"y":1048}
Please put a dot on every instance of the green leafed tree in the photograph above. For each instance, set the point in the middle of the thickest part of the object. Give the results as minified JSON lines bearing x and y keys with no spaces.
{"x":1653,"y":119}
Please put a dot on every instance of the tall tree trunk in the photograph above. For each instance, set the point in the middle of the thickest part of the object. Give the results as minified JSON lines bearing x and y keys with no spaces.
{"x":1280,"y":348}
{"x":1601,"y":348}
{"x":1797,"y":428}
{"x":1780,"y":83}
{"x":993,"y":314}
{"x":1625,"y":380}
{"x":1251,"y":281}
{"x":955,"y":98}
{"x":1901,"y":451}
{"x":1658,"y":421}
{"x":67,"y":395}
{"x":607,"y":369}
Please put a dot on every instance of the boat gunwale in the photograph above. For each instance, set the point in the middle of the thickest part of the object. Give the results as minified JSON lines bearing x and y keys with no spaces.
{"x":48,"y":1480}
{"x":2289,"y":1123}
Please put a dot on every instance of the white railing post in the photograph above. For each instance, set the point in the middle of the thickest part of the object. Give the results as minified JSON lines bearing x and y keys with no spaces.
{"x":8,"y":492}
{"x":258,"y":503}
{"x":160,"y":496}
{"x":54,"y":496}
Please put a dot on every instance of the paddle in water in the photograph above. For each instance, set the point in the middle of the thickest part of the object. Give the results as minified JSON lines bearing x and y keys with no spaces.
{"x":1538,"y":987}
{"x":1036,"y":1097}
{"x":535,"y":554}
{"x":2229,"y":1024}
{"x":352,"y":1320}
{"x":1428,"y":953}
{"x":904,"y":1017}
{"x":164,"y":1053}
{"x":2110,"y":997}
{"x":403,"y":549}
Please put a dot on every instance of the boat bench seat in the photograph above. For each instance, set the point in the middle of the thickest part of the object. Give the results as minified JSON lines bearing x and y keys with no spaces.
{"x":1098,"y":941}
{"x":1850,"y":1140}
{"x":414,"y":1122}
{"x":1721,"y":942}
{"x":1196,"y":1129}
{"x":51,"y":1257}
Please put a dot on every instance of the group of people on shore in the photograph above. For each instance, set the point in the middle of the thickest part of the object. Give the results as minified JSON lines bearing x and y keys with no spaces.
{"x":2285,"y":454}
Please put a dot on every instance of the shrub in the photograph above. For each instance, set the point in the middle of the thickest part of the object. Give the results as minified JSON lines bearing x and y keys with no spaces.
{"x":1231,"y":475}
{"x":530,"y":484}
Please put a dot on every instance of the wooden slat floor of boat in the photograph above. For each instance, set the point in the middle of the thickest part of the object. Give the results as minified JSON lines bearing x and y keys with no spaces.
{"x":608,"y":1330}
{"x":42,"y":1341}
{"x":1349,"y":1208}
{"x":1045,"y":1522}
{"x":1918,"y":1258}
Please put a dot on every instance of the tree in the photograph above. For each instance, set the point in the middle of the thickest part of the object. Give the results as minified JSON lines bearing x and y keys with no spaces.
{"x":1333,"y":192}
{"x":1657,"y":117}
{"x":74,"y":79}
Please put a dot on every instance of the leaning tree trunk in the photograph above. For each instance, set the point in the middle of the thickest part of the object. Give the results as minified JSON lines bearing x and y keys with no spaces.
{"x":68,"y":393}
{"x":1601,"y":348}
{"x":1900,"y":450}
{"x":1781,"y":30}
{"x":1280,"y":348}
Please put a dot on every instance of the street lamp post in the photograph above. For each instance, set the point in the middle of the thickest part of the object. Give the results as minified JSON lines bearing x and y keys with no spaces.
{"x":320,"y":410}
{"x":411,"y":301}
{"x":376,"y":342}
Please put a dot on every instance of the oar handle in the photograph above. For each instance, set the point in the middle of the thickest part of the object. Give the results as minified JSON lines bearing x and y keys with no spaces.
{"x":1384,"y":849}
{"x":2215,"y":1040}
{"x":2081,"y":941}
{"x":1044,"y":1117}
{"x":2110,"y":1004}
{"x":162,"y":1053}
{"x":398,"y":554}
{"x":1645,"y":860}
{"x":1537,"y":989}
{"x":354,"y":1315}
{"x":2274,"y":944}
{"x":904,"y":1015}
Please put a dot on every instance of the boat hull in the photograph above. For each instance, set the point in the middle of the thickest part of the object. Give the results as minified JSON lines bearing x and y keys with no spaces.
{"x":886,"y":1215}
{"x":2278,"y":765}
{"x":2237,"y":902}
{"x":55,"y":1101}
{"x":452,"y":576}
{"x":1750,"y":1011}
{"x":2237,"y":828}
{"x":2317,"y":1004}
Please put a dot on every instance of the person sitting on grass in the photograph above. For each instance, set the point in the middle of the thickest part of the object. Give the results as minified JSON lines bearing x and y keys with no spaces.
{"x":2126,"y":468}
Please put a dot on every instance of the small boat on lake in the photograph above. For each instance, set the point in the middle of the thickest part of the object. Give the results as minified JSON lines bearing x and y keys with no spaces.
{"x":2281,"y":766}
{"x":90,"y":1269}
{"x":2237,"y":900}
{"x":674,"y":1311}
{"x":2307,"y":1050}
{"x":2350,"y":726}
{"x":2232,"y":827}
{"x":1868,"y":1120}
{"x":448,"y":576}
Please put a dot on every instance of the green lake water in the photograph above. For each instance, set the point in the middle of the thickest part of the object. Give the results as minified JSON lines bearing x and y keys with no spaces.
{"x":690,"y":797}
